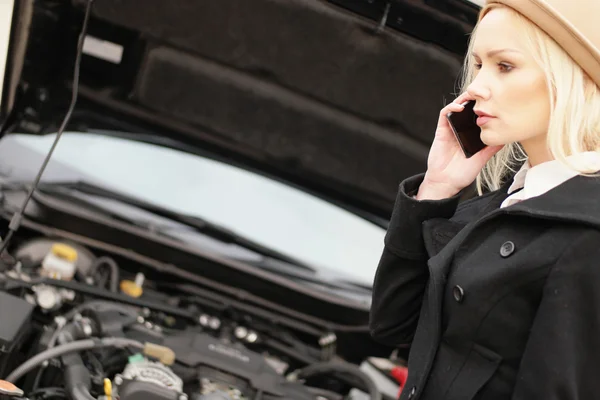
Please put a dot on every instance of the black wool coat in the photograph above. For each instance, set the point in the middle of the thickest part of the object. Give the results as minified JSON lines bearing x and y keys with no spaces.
{"x":494,"y":303}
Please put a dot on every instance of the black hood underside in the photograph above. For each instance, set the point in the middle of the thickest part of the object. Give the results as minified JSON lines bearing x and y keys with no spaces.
{"x":338,"y":96}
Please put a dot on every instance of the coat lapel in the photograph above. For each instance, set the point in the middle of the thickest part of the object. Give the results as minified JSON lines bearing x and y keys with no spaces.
{"x":576,"y":200}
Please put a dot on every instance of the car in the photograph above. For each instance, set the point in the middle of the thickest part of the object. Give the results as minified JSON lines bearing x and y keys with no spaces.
{"x":195,"y":194}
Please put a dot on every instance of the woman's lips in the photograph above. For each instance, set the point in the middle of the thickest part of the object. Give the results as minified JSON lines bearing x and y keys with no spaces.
{"x":484,"y":117}
{"x":484,"y":120}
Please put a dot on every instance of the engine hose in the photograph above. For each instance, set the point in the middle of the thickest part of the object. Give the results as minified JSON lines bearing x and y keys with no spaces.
{"x":48,"y":393}
{"x":80,"y":393}
{"x":77,"y":377}
{"x":344,"y":368}
{"x":100,"y":304}
{"x":324,"y":393}
{"x":114,"y":271}
{"x":71,"y":347}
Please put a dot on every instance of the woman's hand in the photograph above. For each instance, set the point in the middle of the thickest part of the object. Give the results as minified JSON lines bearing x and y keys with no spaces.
{"x":448,"y":170}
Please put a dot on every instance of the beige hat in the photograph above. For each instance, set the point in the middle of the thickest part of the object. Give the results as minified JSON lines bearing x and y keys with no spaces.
{"x":573,"y":24}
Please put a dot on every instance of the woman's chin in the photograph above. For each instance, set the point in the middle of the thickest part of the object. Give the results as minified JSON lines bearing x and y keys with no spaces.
{"x":490,"y":139}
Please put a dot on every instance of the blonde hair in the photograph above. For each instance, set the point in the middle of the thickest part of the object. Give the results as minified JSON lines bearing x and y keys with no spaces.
{"x":574,"y":124}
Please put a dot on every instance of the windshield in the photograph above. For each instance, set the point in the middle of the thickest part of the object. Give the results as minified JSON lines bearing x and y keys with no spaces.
{"x":269,"y":212}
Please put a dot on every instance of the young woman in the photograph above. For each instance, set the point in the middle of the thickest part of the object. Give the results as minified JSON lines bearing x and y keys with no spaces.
{"x":499,"y":297}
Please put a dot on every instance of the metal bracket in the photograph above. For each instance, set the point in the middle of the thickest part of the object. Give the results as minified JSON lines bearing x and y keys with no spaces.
{"x":384,"y":17}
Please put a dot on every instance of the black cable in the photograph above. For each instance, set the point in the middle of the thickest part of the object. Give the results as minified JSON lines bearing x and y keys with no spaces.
{"x":38,"y":378}
{"x":343,"y":368}
{"x":11,"y":284}
{"x":288,"y":351}
{"x":15,"y":221}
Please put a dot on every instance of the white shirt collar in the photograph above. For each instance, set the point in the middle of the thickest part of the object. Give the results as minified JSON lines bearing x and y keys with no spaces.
{"x":538,"y":180}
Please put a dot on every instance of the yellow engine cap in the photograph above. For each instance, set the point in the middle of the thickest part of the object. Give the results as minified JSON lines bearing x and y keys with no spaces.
{"x":64,"y":251}
{"x":130,"y":288}
{"x":108,"y":388}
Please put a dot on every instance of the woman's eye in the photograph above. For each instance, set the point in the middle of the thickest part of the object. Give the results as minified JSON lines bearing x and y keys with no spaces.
{"x":505,"y":67}
{"x":477,"y":65}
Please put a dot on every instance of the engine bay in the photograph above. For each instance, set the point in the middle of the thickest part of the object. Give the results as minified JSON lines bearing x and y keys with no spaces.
{"x":96,"y":304}
{"x":78,"y":325}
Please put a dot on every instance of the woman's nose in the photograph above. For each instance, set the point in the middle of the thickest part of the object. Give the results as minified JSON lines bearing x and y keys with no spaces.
{"x":478,"y":90}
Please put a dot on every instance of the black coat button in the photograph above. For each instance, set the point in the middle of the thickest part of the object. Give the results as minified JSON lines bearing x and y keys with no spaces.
{"x":412,"y":392}
{"x":507,"y":249}
{"x":458,"y":293}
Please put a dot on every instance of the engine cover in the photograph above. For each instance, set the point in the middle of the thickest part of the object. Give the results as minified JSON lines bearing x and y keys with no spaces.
{"x":197,"y":350}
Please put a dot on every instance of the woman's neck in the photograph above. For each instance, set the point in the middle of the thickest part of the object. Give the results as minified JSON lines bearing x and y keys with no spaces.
{"x":537,"y":151}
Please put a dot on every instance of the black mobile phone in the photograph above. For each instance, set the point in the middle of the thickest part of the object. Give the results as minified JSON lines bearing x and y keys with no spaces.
{"x":465,"y":128}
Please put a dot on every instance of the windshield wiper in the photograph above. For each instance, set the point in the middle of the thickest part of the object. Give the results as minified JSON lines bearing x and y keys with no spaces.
{"x":199,"y":224}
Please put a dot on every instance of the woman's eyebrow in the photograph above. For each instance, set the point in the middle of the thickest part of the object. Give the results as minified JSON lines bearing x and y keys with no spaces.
{"x":492,"y":53}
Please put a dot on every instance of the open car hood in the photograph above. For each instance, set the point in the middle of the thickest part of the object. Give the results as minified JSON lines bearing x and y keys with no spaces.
{"x":338,"y":96}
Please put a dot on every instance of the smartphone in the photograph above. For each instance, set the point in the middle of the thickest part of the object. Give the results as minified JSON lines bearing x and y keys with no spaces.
{"x":465,"y":128}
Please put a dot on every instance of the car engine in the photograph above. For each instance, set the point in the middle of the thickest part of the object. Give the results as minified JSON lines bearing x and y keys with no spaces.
{"x":79,"y":326}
